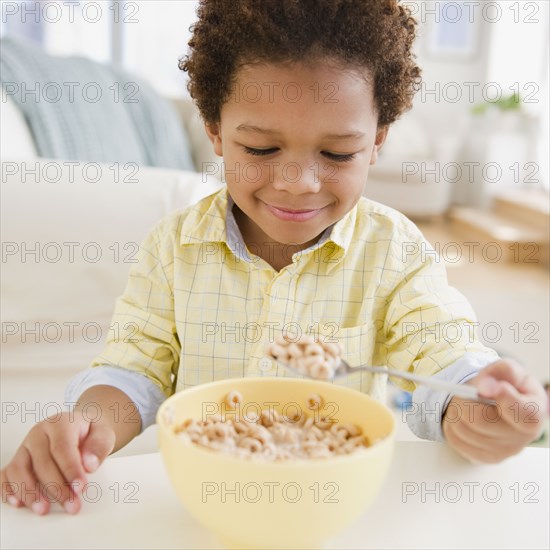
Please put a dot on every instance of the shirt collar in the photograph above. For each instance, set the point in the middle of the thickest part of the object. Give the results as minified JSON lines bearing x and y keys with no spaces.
{"x":213,"y":221}
{"x":205,"y":222}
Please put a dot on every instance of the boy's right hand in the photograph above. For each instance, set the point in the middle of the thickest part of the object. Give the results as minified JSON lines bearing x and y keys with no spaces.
{"x":52,"y":462}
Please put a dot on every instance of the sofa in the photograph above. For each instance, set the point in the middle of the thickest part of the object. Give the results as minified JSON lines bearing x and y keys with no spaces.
{"x":84,"y":221}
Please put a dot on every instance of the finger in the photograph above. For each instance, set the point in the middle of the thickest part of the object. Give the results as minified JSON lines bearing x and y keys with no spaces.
{"x":97,"y":446}
{"x":53,"y":482}
{"x":512,"y":372}
{"x":483,"y":420}
{"x":64,"y":449}
{"x":519,"y":395}
{"x":524,"y":413}
{"x":28,"y":489}
{"x":469,"y":446}
{"x":462,"y":445}
{"x":487,"y":441}
{"x":9,"y":490}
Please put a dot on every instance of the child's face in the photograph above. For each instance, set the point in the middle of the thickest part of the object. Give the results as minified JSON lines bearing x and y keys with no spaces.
{"x":285,"y":166}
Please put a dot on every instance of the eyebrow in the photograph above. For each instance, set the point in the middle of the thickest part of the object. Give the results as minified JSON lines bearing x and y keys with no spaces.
{"x":265,"y":131}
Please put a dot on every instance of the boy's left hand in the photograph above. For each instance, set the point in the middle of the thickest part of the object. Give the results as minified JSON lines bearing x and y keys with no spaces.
{"x":491,"y":433}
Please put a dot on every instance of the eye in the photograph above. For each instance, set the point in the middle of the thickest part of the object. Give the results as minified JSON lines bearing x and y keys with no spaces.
{"x":339,"y":158}
{"x":259,"y":152}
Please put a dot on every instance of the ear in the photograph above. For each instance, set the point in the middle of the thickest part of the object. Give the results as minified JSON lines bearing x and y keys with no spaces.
{"x":213,"y":131}
{"x":381,"y":134}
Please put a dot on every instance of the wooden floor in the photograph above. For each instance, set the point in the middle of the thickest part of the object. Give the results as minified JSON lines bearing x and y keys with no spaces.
{"x":511,"y":299}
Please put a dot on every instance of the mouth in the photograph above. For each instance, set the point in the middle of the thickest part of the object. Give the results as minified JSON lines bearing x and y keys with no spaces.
{"x":288,"y":214}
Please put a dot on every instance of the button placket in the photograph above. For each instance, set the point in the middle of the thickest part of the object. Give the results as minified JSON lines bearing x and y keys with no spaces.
{"x":276,"y":284}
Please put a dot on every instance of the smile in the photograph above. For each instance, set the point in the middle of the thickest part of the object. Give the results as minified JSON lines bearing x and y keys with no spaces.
{"x":292,"y":215}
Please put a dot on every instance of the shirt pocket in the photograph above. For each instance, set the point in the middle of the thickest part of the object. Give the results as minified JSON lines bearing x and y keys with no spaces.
{"x":359,"y":349}
{"x":358,"y":344}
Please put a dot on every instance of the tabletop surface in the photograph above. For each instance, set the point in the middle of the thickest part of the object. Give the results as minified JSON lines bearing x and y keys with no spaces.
{"x":432,"y":499}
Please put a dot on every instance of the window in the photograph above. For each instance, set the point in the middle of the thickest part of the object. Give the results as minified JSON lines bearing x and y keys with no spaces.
{"x":146,"y":37}
{"x":518,"y":62}
{"x":63,"y":28}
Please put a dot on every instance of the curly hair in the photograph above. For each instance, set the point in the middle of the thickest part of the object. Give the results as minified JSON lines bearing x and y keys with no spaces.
{"x":374,"y":34}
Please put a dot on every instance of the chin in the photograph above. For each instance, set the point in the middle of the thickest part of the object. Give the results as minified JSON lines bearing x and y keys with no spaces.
{"x":295,"y":238}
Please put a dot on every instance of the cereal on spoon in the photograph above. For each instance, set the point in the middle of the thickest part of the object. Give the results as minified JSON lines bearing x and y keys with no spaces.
{"x":308,"y":356}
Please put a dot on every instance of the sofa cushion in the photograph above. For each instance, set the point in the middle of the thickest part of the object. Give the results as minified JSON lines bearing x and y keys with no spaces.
{"x":79,"y":109}
{"x":202,"y":149}
{"x":15,"y":136}
{"x":69,"y":235}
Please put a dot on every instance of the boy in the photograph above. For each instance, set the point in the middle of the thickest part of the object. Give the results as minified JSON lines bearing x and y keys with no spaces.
{"x":297,"y":96}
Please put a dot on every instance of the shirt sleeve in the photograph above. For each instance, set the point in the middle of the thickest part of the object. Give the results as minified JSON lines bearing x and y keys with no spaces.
{"x":145,"y":394}
{"x":425,"y":413}
{"x":428,"y":325}
{"x":142,"y":337}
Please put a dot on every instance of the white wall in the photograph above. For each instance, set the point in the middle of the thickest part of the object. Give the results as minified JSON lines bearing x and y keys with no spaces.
{"x":509,"y":53}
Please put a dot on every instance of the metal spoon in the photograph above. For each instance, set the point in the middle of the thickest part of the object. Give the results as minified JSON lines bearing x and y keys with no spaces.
{"x":460,"y":390}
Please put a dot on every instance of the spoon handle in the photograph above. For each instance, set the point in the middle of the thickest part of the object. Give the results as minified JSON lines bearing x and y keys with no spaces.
{"x":460,"y":390}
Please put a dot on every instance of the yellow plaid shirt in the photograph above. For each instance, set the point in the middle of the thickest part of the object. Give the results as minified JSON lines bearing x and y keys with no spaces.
{"x":200,"y":307}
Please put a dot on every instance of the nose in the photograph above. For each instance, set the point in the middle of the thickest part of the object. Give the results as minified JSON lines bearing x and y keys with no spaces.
{"x":297,"y":178}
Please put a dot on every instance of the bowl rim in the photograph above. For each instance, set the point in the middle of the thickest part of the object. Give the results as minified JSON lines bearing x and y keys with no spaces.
{"x":315,"y":463}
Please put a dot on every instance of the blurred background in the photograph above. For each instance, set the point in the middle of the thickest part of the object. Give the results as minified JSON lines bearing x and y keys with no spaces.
{"x":98,"y":82}
{"x":485,"y":66}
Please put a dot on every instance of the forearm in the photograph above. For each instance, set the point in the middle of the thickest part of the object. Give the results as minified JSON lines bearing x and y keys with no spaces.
{"x":110,"y":406}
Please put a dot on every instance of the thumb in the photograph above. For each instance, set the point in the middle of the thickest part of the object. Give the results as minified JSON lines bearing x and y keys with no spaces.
{"x":510,"y":371}
{"x":501,"y":390}
{"x":492,"y":387}
{"x":519,"y":395}
{"x":97,"y":446}
{"x":502,"y":380}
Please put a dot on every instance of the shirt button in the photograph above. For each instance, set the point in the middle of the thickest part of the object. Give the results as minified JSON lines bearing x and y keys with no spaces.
{"x":266,"y":364}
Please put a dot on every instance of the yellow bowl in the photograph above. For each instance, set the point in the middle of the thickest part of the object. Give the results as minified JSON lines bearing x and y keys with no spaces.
{"x":291,"y":504}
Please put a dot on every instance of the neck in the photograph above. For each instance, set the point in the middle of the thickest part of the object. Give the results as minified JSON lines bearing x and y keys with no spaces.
{"x":276,"y":254}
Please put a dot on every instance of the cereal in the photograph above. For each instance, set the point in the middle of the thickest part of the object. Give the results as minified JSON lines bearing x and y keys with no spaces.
{"x":219,"y":431}
{"x":324,"y":423}
{"x":321,"y":371}
{"x":314,"y":401}
{"x":308,"y":423}
{"x":251,"y":444}
{"x":233,"y":399}
{"x":268,"y":417}
{"x":294,"y":350}
{"x":313,"y":349}
{"x":274,"y":437}
{"x":308,"y":356}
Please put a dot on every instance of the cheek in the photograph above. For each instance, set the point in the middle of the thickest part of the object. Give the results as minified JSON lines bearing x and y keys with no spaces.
{"x":244,"y":172}
{"x":347,"y":183}
{"x":243,"y":183}
{"x":255,"y":175}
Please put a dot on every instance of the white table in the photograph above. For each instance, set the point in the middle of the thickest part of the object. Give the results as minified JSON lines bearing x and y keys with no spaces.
{"x":480,"y":506}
